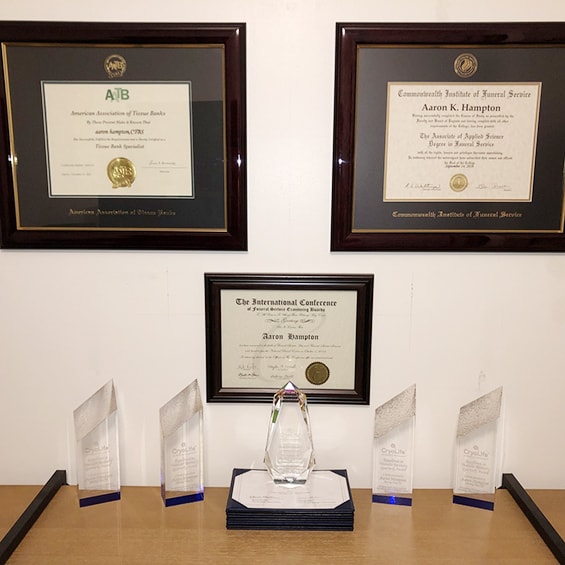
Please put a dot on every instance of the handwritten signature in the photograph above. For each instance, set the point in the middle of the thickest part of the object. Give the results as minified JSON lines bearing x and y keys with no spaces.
{"x":422,"y":185}
{"x":492,"y":186}
{"x":161,"y":163}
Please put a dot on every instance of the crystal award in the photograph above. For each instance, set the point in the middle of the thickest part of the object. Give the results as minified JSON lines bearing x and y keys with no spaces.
{"x":393,"y":449}
{"x":96,"y":432}
{"x":477,"y":451}
{"x":182,"y":449}
{"x":289,"y":453}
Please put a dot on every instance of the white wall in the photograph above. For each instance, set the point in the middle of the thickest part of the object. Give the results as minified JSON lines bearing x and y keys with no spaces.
{"x":457,"y":325}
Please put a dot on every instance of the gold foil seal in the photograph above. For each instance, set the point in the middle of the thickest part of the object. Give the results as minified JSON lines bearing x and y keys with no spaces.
{"x":121,"y":172}
{"x":465,"y":65}
{"x":317,"y":373}
{"x":115,"y":66}
{"x":458,"y":183}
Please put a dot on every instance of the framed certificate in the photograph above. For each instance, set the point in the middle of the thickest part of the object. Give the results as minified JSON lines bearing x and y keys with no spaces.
{"x":265,"y":330}
{"x":127,"y":136}
{"x":449,"y":137}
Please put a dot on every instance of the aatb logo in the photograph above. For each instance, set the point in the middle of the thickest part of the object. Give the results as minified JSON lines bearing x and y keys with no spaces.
{"x":117,"y":94}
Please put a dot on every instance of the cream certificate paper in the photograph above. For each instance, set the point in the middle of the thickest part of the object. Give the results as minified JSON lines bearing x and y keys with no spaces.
{"x":466,"y":142}
{"x":270,"y":337}
{"x":118,"y":139}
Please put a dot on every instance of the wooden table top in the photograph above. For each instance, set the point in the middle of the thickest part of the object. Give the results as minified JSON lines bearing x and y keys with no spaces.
{"x":139,"y":529}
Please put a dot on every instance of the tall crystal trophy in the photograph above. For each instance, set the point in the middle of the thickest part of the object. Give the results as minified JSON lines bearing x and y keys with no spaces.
{"x":477,"y":451}
{"x":182,"y":447}
{"x":393,"y":449}
{"x":289,"y":453}
{"x":97,"y":447}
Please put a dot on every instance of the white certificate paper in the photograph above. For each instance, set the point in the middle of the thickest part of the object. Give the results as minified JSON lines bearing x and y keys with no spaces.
{"x":461,"y":142}
{"x":270,"y":337}
{"x":145,"y":127}
{"x":323,"y":490}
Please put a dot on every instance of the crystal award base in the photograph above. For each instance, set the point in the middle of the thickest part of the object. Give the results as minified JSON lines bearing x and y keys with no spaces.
{"x":477,"y":452}
{"x":182,"y":472}
{"x":289,"y":453}
{"x":96,"y":430}
{"x":393,"y":449}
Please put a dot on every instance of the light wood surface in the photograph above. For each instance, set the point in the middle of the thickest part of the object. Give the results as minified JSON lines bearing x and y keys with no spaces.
{"x":13,"y":501}
{"x":552,"y":504}
{"x":140,"y":530}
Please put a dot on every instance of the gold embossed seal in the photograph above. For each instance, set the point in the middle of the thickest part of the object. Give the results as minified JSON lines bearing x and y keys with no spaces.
{"x":115,"y":66}
{"x":317,"y":373}
{"x":458,"y":183}
{"x":121,"y":172}
{"x":465,"y":65}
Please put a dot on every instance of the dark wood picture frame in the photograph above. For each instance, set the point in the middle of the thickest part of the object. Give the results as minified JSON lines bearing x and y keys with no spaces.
{"x":292,"y":287}
{"x":209,"y":58}
{"x":424,"y":53}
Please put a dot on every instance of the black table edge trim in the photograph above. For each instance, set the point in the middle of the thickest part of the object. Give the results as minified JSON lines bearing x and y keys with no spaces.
{"x":24,"y":523}
{"x":536,"y":517}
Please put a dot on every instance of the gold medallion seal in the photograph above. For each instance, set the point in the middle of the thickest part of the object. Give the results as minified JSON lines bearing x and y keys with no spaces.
{"x":317,"y":373}
{"x":121,"y":172}
{"x":465,"y":65}
{"x":458,"y":183}
{"x":115,"y":66}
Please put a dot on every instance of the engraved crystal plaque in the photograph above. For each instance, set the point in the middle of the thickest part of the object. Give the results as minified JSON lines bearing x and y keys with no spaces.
{"x":98,"y":462}
{"x":477,"y":451}
{"x":182,"y":447}
{"x":393,"y":449}
{"x":289,"y":453}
